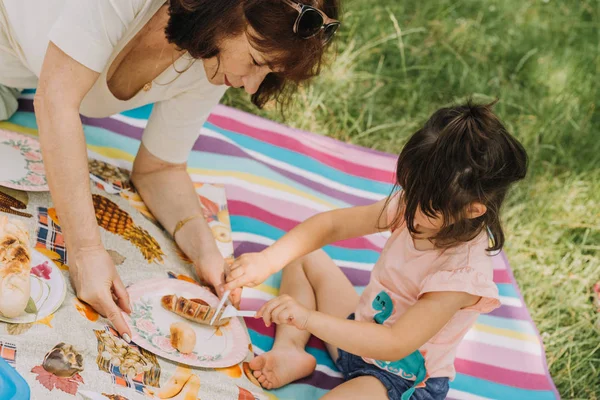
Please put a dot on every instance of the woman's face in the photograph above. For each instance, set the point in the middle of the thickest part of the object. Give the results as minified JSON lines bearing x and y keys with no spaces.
{"x":238,"y":65}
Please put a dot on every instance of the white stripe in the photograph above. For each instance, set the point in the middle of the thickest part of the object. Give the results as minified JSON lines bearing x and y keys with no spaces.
{"x":457,"y":394}
{"x":316,"y":142}
{"x":136,"y":122}
{"x":317,"y":178}
{"x":265,"y":241}
{"x":251,"y":293}
{"x":252,"y":238}
{"x":29,"y":96}
{"x":299,"y":171}
{"x":510,"y":301}
{"x":321,"y":368}
{"x":263,"y":190}
{"x":503,"y":341}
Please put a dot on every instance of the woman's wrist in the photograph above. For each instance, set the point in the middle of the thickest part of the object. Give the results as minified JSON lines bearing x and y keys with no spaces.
{"x":198,"y":243}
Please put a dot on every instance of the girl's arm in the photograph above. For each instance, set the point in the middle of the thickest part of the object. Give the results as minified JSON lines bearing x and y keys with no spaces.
{"x":317,"y":231}
{"x":367,"y":339}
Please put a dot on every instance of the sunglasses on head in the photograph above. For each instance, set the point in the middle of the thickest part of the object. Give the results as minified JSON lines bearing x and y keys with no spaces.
{"x":311,"y":21}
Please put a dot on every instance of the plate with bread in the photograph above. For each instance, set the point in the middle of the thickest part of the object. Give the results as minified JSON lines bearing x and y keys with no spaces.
{"x":31,"y":285}
{"x":171,"y":318}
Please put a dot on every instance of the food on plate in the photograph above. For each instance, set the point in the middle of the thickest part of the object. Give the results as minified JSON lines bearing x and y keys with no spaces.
{"x":15,"y":267}
{"x":183,"y":337}
{"x":195,"y":310}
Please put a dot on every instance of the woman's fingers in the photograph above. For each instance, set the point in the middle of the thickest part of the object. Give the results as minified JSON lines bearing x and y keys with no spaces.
{"x":122,"y":295}
{"x":115,"y":315}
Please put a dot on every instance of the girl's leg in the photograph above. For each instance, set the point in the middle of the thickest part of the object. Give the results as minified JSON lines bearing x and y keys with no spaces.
{"x":363,"y":387}
{"x":316,"y":283}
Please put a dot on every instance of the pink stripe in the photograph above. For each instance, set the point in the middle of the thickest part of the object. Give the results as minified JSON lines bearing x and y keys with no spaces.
{"x":284,"y":209}
{"x":375,"y":158}
{"x":295,"y":145}
{"x":499,"y":357}
{"x":502,"y":276}
{"x":248,"y":210}
{"x":523,"y":380}
{"x":498,"y":262}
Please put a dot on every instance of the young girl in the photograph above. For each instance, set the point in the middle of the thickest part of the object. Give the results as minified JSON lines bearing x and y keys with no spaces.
{"x":434,"y":277}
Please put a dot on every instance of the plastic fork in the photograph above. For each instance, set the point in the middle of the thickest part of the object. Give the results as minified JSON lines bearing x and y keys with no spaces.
{"x":231,"y":311}
{"x":220,"y":306}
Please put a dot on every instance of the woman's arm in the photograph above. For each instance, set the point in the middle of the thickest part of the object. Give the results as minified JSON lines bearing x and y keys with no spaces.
{"x":317,"y":231}
{"x":169,"y":193}
{"x":367,"y":339}
{"x":62,"y":86}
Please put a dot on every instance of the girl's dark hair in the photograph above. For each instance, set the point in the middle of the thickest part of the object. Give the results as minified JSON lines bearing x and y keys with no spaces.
{"x":462,"y":155}
{"x":197,"y":26}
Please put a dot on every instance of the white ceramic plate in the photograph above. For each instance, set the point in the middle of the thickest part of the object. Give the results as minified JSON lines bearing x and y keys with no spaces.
{"x":150,"y":326}
{"x":21,"y":165}
{"x":48,"y":289}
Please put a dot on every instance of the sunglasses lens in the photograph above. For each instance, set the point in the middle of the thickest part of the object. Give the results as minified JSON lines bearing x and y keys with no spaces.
{"x":329,"y":31}
{"x":310,"y":23}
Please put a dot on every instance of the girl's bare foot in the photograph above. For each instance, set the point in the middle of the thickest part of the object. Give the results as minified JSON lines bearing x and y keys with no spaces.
{"x":281,"y":366}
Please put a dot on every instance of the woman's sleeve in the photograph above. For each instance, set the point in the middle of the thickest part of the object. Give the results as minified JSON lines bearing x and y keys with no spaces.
{"x":89,"y":30}
{"x":174,"y":124}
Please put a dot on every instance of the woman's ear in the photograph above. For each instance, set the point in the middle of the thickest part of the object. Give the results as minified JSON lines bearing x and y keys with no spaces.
{"x":476,"y":210}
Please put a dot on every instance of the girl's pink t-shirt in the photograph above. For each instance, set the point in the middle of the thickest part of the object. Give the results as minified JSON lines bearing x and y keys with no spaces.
{"x":403,"y":274}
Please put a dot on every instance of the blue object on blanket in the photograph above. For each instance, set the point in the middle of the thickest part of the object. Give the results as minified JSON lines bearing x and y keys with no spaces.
{"x":12,"y":385}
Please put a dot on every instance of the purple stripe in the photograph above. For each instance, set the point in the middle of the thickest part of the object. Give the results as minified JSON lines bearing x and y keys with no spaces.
{"x":505,"y":311}
{"x":357,"y":277}
{"x":541,"y":341}
{"x":335,"y":142}
{"x":321,"y":380}
{"x":217,"y":146}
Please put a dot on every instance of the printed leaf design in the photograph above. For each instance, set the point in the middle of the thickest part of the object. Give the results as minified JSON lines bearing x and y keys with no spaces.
{"x":18,"y":329}
{"x":51,"y":381}
{"x":31,"y":307}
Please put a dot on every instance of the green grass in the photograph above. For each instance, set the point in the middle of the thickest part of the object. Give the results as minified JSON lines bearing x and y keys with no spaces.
{"x":398,"y":61}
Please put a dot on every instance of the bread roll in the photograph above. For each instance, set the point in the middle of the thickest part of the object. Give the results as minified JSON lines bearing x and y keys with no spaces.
{"x":15,"y":267}
{"x":183,"y":337}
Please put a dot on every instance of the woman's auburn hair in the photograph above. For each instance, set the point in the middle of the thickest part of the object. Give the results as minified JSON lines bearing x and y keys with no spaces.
{"x":463,"y":154}
{"x":197,"y":26}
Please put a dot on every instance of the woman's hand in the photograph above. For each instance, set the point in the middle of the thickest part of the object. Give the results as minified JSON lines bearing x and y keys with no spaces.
{"x":96,"y":281}
{"x":212,"y":271}
{"x":250,"y":269}
{"x":284,"y":310}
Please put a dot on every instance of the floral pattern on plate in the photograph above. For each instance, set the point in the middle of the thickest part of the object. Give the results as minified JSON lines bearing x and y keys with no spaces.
{"x":32,"y":175}
{"x":150,"y":326}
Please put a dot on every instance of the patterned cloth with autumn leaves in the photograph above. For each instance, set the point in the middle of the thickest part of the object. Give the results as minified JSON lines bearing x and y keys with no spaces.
{"x":74,"y":350}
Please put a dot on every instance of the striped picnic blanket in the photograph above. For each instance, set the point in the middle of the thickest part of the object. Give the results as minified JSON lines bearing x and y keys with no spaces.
{"x":276,"y":177}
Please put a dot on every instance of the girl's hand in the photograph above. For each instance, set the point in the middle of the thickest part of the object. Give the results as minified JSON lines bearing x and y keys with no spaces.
{"x":284,"y":310}
{"x":250,"y":269}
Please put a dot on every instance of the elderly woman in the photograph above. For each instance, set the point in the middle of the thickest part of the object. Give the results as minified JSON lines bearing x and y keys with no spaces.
{"x":101,"y":57}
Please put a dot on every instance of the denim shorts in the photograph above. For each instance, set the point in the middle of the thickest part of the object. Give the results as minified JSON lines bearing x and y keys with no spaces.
{"x":353,"y":366}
